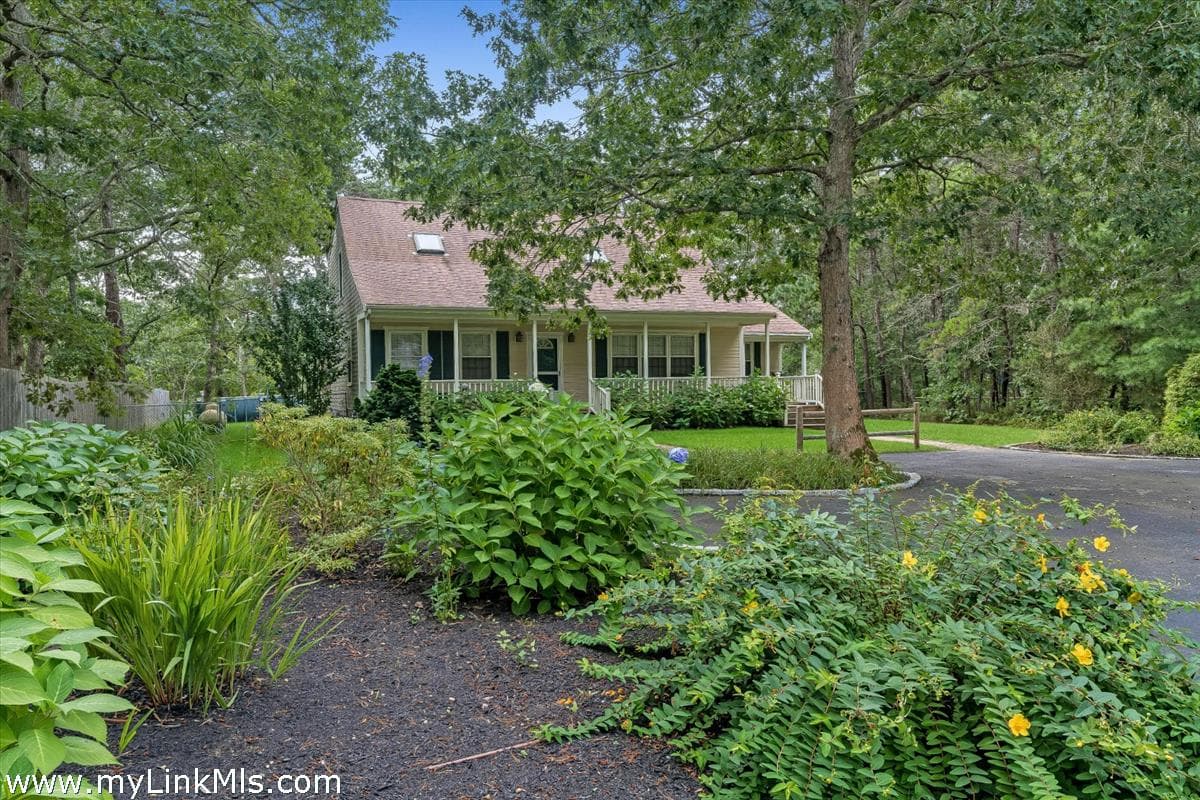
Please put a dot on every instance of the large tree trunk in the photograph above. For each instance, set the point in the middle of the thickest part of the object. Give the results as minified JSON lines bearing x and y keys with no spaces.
{"x":844,"y":429}
{"x":14,"y":172}
{"x":112,"y":291}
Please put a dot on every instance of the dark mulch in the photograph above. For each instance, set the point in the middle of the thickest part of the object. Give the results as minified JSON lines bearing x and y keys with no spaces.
{"x":392,"y":690}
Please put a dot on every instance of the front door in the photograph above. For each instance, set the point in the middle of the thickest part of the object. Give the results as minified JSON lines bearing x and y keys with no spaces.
{"x":549,"y":359}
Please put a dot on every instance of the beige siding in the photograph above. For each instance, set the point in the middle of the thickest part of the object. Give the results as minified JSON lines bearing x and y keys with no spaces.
{"x":726,"y":352}
{"x":338,"y":270}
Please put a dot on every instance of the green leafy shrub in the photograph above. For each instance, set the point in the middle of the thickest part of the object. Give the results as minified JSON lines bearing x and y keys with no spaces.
{"x":547,"y":505}
{"x":338,"y":473}
{"x":1181,"y":412}
{"x":396,"y":394}
{"x":1100,"y":430}
{"x":196,"y":596}
{"x":446,"y":407}
{"x":759,"y":401}
{"x":66,"y":467}
{"x":1174,"y":444}
{"x":957,"y":652}
{"x":55,"y":681}
{"x":180,"y":442}
{"x":772,"y":468}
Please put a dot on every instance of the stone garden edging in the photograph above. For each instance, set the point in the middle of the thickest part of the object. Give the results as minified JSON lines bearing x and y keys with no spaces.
{"x":912,"y":480}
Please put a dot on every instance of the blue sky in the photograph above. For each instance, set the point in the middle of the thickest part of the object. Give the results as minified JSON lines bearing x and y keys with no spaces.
{"x":436,"y":30}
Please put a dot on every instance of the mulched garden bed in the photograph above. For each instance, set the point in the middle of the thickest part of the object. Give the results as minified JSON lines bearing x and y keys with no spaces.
{"x":392,"y":690}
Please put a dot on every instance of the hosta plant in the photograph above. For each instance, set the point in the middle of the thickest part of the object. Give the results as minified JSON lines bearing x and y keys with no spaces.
{"x":56,"y":680}
{"x":65,"y":467}
{"x":956,"y":652}
{"x":547,"y":505}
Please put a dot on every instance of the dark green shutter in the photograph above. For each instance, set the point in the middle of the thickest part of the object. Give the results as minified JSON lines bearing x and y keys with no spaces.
{"x":502,"y":354}
{"x":601,"y":363}
{"x":378,"y":352}
{"x":703,"y":354}
{"x":441,"y":347}
{"x":757,"y":363}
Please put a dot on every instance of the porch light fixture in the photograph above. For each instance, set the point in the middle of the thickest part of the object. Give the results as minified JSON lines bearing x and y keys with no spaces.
{"x":571,"y":337}
{"x":520,"y":337}
{"x":429,"y":244}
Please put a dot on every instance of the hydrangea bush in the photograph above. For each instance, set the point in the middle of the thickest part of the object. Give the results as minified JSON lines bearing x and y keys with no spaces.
{"x":958,"y":652}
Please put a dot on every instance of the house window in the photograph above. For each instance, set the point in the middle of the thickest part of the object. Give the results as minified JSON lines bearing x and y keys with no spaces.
{"x":672,"y":356}
{"x":406,"y":348}
{"x":623,"y":351}
{"x":476,"y":355}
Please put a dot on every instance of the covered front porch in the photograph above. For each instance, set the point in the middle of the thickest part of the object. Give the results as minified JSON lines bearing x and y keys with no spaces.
{"x":662,"y":353}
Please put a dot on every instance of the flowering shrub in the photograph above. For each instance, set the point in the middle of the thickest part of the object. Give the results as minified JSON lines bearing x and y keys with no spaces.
{"x":957,"y":652}
{"x":546,"y":506}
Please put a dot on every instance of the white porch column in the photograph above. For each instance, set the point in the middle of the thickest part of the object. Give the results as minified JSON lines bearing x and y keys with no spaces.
{"x":707,"y":354}
{"x":589,"y":344}
{"x":804,"y":359}
{"x":533,"y":372}
{"x":367,"y":350}
{"x":645,"y":349}
{"x":742,"y":348}
{"x":457,"y":357}
{"x":767,"y":348}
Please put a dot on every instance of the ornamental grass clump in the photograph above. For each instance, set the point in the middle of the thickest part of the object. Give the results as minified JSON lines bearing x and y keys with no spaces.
{"x":956,"y":652}
{"x":544,"y":503}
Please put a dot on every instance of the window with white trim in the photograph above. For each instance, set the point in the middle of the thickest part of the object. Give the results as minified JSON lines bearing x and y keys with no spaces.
{"x":672,"y":355}
{"x":406,"y":348}
{"x":476,"y":355}
{"x":623,"y":353}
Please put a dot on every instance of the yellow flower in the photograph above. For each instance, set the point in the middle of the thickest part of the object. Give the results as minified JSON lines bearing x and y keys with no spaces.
{"x":1043,"y":565}
{"x":981,"y":516}
{"x":1135,"y":598}
{"x":1123,"y":573}
{"x":1063,"y":607}
{"x":1041,"y":520}
{"x":1100,"y":543}
{"x":750,"y":608}
{"x":602,"y":596}
{"x":1018,"y":724}
{"x":1090,"y":582}
{"x":1083,"y":655}
{"x":909,"y":559}
{"x":626,"y":725}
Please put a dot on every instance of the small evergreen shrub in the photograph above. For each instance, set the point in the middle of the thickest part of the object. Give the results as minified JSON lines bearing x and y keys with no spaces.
{"x":1100,"y":430}
{"x":396,"y":394}
{"x":957,"y":652}
{"x":66,"y":467}
{"x":1181,"y":412}
{"x":56,"y":679}
{"x":772,"y":468}
{"x":547,"y":505}
{"x":196,"y":596}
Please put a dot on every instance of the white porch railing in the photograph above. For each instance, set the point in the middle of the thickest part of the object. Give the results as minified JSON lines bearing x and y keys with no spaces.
{"x":599,"y":398}
{"x":473,"y":386}
{"x":797,"y":388}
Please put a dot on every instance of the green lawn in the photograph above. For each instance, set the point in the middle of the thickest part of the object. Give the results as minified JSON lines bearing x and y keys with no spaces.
{"x":238,"y":452}
{"x":751,"y":438}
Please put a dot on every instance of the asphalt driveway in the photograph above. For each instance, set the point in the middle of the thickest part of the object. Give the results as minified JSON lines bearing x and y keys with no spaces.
{"x":1160,"y":496}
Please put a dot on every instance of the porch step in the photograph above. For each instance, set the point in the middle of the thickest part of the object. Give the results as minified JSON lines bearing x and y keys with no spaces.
{"x":814,"y":415}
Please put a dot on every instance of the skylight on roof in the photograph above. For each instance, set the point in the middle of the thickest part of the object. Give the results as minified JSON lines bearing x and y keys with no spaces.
{"x":596,"y":257}
{"x":429,"y":244}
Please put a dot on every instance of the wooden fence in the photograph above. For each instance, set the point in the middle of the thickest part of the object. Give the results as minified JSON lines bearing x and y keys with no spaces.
{"x":914,"y":432}
{"x":132,"y":414}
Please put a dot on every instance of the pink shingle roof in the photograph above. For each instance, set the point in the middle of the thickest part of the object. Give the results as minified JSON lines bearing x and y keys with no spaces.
{"x":388,"y":272}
